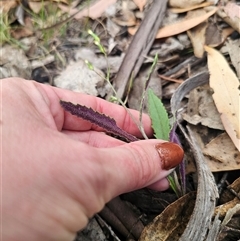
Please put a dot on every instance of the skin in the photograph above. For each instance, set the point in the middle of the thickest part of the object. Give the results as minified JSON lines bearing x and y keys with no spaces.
{"x":59,"y":170}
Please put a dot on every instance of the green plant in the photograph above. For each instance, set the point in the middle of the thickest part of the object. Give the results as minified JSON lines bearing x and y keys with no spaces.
{"x":5,"y":30}
{"x":48,"y":22}
{"x":5,"y":35}
{"x":158,"y":114}
{"x":97,"y":42}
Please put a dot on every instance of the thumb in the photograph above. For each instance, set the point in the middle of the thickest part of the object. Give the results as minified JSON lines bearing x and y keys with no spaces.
{"x":137,"y":164}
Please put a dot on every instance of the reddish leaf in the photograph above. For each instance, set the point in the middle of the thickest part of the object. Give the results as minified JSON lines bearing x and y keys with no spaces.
{"x":99,"y":119}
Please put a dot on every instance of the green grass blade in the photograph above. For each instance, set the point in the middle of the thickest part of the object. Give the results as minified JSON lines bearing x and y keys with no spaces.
{"x":159,"y":116}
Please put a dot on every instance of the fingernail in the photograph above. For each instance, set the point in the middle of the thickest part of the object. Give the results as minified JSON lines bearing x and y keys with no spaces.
{"x":170,"y":153}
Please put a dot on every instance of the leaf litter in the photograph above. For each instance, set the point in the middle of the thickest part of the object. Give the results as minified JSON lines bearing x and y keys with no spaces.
{"x":205,"y":119}
{"x":225,"y":85}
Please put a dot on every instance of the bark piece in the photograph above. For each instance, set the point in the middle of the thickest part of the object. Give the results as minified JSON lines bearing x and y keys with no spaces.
{"x":139,"y":47}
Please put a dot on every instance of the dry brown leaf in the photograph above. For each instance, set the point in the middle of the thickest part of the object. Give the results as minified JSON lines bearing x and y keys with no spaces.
{"x":201,"y":109}
{"x":49,"y":2}
{"x":184,"y":25}
{"x":180,"y":26}
{"x":223,"y":154}
{"x":233,"y":50}
{"x":23,"y":31}
{"x":232,"y":10}
{"x":197,"y":34}
{"x":36,"y":6}
{"x":140,"y":4}
{"x":171,"y":223}
{"x":226,"y":93}
{"x":231,"y":15}
{"x":184,"y":3}
{"x":226,"y":32}
{"x":214,"y":36}
{"x":93,"y":11}
{"x":5,"y":6}
{"x":183,"y":10}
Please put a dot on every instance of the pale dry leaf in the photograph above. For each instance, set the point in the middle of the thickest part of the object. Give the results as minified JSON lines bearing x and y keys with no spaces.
{"x":197,"y":34}
{"x":233,"y":47}
{"x":37,"y":6}
{"x":183,"y":25}
{"x":226,"y":95}
{"x":233,"y":22}
{"x":223,"y":210}
{"x":232,"y":10}
{"x":184,"y":3}
{"x":231,"y":212}
{"x":140,"y":4}
{"x":93,"y":11}
{"x":5,"y":6}
{"x":201,"y":109}
{"x":179,"y":27}
{"x":223,"y":154}
{"x":186,"y":9}
{"x":51,"y":1}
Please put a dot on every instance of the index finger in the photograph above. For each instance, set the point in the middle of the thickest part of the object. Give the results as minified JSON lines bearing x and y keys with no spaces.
{"x":74,"y":123}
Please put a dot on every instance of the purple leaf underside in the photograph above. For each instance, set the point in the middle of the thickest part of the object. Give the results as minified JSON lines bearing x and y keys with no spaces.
{"x":99,"y":119}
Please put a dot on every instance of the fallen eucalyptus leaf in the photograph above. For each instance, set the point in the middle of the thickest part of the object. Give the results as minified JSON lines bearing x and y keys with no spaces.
{"x":224,"y":155}
{"x":171,"y":222}
{"x":186,"y":9}
{"x":201,"y":108}
{"x":184,"y":3}
{"x":197,"y":34}
{"x":233,"y":50}
{"x":178,"y":27}
{"x":226,"y":93}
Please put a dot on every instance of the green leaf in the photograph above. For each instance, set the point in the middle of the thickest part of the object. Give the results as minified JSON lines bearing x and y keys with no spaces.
{"x":159,"y":116}
{"x":172,"y":183}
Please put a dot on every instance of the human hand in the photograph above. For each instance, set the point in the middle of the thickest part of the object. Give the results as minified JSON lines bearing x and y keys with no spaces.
{"x":58,"y":170}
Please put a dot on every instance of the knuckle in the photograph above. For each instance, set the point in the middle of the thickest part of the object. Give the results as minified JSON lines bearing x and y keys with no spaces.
{"x":141,"y":165}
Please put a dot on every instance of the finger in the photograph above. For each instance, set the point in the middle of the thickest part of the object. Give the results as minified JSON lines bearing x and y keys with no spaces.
{"x":94,"y":138}
{"x":140,"y":164}
{"x":70,"y":122}
{"x":103,"y":173}
{"x":160,"y":185}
